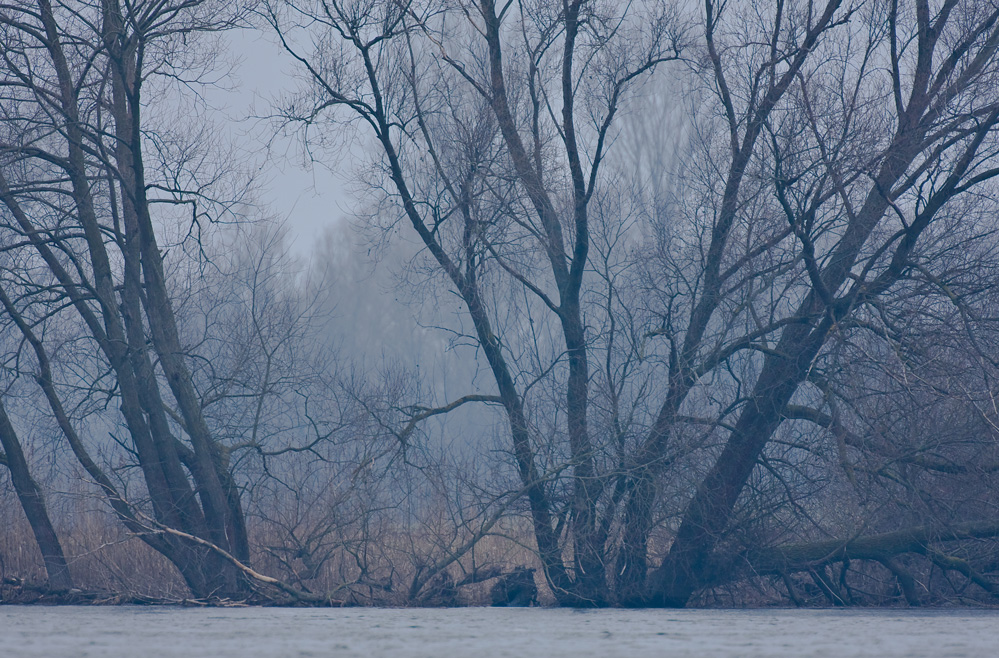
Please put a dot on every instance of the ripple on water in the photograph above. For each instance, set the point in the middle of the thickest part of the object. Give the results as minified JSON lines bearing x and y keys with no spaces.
{"x":120,"y":632}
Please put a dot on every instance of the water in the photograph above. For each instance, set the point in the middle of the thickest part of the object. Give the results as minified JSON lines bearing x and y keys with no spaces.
{"x":120,"y":632}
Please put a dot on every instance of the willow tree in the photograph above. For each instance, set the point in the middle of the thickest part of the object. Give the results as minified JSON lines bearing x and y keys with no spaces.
{"x":492,"y":122}
{"x":837,"y":154}
{"x":868,"y":132}
{"x":80,"y":237}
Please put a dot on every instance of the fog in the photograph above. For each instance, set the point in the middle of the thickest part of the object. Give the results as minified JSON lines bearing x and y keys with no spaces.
{"x":613,"y":305}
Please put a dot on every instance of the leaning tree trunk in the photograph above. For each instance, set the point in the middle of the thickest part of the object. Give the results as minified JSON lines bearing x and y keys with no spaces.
{"x":33,"y":504}
{"x":708,"y":513}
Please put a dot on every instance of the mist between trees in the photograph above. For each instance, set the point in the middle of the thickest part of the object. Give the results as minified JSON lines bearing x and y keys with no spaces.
{"x":694,"y":303}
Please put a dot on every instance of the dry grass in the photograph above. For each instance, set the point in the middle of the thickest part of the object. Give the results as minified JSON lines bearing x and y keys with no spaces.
{"x":360,"y":568}
{"x":376,"y":566}
{"x":102,"y":557}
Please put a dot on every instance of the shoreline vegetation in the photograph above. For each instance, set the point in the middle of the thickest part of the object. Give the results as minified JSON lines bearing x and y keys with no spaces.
{"x":637,"y":304}
{"x":113,"y":568}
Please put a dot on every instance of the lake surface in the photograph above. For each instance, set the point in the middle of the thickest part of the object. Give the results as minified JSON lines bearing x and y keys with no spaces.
{"x":120,"y":632}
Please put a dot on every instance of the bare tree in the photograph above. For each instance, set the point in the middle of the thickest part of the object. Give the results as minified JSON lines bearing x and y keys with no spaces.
{"x":838,"y":153}
{"x":865,"y":212}
{"x":494,"y":160}
{"x":75,"y":193}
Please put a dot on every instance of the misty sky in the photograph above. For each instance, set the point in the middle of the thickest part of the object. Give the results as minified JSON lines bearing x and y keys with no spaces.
{"x":309,"y":199}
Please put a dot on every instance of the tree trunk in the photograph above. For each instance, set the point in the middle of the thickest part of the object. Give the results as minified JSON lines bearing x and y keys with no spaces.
{"x":33,"y":504}
{"x":685,"y":567}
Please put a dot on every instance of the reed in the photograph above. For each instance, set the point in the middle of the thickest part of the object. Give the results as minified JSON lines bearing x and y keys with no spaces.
{"x":356,"y":565}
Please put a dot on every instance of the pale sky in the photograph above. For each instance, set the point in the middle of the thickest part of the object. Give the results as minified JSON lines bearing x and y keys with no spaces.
{"x":309,"y":198}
